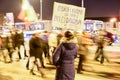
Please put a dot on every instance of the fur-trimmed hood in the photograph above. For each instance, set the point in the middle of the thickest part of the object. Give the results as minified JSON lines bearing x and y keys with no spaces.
{"x":65,"y":40}
{"x":69,"y":44}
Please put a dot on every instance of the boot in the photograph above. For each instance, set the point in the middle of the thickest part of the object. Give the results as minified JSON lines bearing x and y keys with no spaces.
{"x":31,"y":72}
{"x":41,"y":72}
{"x":27,"y":65}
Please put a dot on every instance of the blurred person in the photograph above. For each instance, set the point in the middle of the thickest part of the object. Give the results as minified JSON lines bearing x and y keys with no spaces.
{"x":94,"y":35}
{"x":59,"y":37}
{"x":52,"y":42}
{"x":45,"y":46}
{"x":0,"y":41}
{"x":101,"y":43}
{"x":64,"y":56}
{"x":83,"y":42}
{"x":4,"y":50}
{"x":18,"y":38}
{"x":10,"y":46}
{"x":17,"y":42}
{"x":12,"y":33}
{"x":31,"y":51}
{"x":110,"y":36}
{"x":36,"y":54}
{"x":23,"y":51}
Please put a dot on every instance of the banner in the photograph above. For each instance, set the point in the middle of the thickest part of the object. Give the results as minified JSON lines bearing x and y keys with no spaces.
{"x":9,"y":18}
{"x":68,"y":16}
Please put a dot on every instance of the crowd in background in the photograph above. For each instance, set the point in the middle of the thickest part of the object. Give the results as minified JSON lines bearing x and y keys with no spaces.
{"x":44,"y":45}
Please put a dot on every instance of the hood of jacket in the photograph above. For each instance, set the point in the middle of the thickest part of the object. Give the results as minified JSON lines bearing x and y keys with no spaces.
{"x":69,"y":44}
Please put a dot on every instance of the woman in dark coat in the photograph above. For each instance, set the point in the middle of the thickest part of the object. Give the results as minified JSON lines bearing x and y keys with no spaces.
{"x":63,"y":58}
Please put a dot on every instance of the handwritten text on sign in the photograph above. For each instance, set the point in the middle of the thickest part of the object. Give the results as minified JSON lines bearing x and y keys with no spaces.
{"x":68,"y":16}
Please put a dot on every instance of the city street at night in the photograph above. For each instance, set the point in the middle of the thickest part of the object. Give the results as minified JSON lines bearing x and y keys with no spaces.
{"x":38,"y":37}
{"x":93,"y":69}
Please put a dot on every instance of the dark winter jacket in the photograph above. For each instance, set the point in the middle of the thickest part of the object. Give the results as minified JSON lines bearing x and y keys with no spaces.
{"x":31,"y":46}
{"x":63,"y":59}
{"x":36,"y":47}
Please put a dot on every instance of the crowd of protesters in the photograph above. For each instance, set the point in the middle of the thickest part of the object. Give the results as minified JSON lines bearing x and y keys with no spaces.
{"x":60,"y":49}
{"x":10,"y":43}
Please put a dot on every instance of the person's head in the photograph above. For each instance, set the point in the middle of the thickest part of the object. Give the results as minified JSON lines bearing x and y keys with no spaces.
{"x":45,"y":32}
{"x":68,"y":35}
{"x":33,"y":35}
{"x":37,"y":35}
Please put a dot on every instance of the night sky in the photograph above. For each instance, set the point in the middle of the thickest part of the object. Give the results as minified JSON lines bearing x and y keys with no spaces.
{"x":94,"y":8}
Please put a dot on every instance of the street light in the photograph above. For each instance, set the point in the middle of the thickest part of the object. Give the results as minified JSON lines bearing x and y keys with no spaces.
{"x":113,"y":20}
{"x":40,"y":9}
{"x":82,"y":3}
